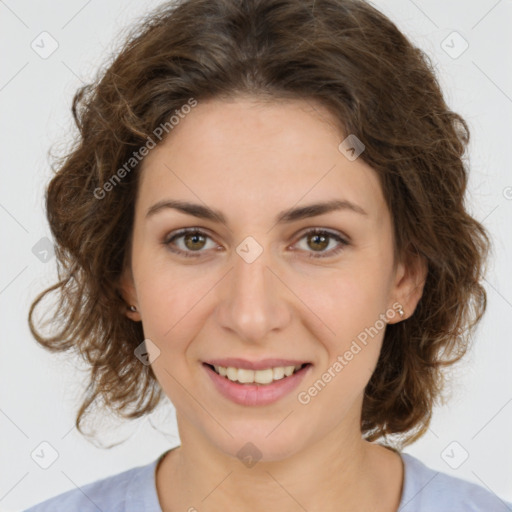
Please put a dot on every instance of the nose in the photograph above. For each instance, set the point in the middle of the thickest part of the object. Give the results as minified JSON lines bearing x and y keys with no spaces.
{"x":254,"y":300}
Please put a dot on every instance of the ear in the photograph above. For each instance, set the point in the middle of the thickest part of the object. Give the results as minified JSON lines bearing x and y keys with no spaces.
{"x":129,"y":294}
{"x":410,"y":276}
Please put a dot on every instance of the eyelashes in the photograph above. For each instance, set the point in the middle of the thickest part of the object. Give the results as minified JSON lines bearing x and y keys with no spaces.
{"x":182,"y":233}
{"x":323,"y":234}
{"x":196,"y":234}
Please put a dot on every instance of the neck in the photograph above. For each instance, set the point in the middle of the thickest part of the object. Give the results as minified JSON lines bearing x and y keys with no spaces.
{"x":330,"y":475}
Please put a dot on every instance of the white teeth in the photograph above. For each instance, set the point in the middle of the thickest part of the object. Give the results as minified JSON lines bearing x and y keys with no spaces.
{"x":278,"y":373}
{"x":245,"y":375}
{"x":266,"y":376}
{"x":232,"y":373}
{"x":288,"y":370}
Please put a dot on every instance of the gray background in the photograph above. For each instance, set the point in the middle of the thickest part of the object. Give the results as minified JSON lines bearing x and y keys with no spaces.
{"x":41,"y":391}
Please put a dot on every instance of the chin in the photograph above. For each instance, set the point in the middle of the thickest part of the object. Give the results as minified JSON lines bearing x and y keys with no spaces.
{"x":251,"y":446}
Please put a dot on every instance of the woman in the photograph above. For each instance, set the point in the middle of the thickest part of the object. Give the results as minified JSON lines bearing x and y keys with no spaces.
{"x":263,"y":220}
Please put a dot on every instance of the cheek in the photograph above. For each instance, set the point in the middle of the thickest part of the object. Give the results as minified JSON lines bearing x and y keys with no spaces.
{"x":352,"y":303}
{"x":171,"y":300}
{"x":348,"y":302}
{"x":351,"y":308}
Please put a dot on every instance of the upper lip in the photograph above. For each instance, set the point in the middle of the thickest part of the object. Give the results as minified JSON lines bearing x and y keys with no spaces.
{"x":262,"y":364}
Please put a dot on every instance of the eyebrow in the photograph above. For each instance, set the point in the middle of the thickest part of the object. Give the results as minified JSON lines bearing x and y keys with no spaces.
{"x":286,"y":216}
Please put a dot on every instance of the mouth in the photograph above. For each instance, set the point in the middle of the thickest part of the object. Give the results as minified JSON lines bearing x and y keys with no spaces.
{"x":263,"y":377}
{"x":256,"y":383}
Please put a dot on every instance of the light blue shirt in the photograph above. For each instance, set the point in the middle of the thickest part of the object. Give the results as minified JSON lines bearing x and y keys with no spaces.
{"x":134,"y":490}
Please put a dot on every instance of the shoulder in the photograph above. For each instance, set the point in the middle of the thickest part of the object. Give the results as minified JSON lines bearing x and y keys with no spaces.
{"x":428,"y":490}
{"x":131,"y":490}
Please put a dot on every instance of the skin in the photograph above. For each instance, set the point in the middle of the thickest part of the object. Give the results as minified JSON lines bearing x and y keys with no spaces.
{"x":251,"y":160}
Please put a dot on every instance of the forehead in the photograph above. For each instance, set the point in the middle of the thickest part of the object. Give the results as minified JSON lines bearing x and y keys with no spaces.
{"x":252,"y":156}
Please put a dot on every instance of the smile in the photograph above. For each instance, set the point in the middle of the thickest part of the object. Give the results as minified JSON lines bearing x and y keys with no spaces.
{"x":265,"y":376}
{"x":260,"y":387}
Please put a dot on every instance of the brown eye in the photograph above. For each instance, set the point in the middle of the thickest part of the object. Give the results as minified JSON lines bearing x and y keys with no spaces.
{"x":189,"y":242}
{"x":318,"y":240}
{"x":194,"y":241}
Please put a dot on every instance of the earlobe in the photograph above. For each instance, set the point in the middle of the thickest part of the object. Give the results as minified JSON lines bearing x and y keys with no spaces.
{"x":133,"y":313}
{"x":395,"y":313}
{"x":128,"y":294}
{"x":411,"y":276}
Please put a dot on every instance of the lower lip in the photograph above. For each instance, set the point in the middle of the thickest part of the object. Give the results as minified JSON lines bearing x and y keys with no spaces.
{"x":256,"y":394}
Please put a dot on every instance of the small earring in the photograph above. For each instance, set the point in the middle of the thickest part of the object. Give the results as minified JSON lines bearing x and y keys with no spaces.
{"x":401,"y":312}
{"x":132,"y":308}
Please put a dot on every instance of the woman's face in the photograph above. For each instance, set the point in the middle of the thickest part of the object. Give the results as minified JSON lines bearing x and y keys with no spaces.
{"x":252,"y":282}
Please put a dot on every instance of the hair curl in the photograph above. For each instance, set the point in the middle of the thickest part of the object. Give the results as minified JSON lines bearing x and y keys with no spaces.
{"x":342,"y":53}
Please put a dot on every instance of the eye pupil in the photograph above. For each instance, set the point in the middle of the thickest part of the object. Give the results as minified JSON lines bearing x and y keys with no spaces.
{"x":195,"y":237}
{"x":324,"y":240}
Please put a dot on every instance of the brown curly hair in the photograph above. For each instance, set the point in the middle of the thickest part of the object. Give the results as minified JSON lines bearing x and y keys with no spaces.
{"x":342,"y":53}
